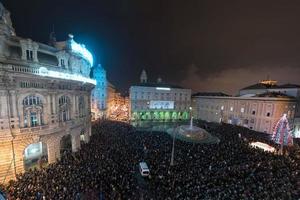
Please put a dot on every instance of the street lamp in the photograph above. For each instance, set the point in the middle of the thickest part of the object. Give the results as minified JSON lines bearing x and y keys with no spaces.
{"x":173,"y":146}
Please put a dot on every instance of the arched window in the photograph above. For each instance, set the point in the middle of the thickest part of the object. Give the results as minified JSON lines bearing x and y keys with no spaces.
{"x":81,"y":106}
{"x":64,"y":108}
{"x":33,"y":111}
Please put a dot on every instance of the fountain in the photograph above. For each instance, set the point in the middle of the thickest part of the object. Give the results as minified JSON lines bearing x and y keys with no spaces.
{"x":191,"y":133}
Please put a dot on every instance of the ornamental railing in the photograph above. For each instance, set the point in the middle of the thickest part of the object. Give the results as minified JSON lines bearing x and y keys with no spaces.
{"x":33,"y":129}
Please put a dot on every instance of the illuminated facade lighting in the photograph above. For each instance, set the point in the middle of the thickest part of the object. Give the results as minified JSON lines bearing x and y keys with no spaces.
{"x":162,"y":88}
{"x":43,"y":71}
{"x":80,"y":49}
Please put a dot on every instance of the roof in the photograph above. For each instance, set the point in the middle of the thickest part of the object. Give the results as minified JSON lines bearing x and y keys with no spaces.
{"x":164,"y":85}
{"x":259,"y":86}
{"x":144,"y":165}
{"x":221,"y":94}
{"x":267,"y":86}
{"x":289,"y":86}
{"x":273,"y":94}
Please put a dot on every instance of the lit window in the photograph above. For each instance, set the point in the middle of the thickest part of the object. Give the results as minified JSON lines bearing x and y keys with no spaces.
{"x":29,"y":55}
{"x":231,"y":108}
{"x":62,"y":63}
{"x":222,"y":107}
{"x":242,"y":110}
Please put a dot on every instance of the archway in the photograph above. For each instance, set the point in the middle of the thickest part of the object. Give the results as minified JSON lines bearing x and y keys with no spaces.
{"x":185,"y":115}
{"x":174,"y":116}
{"x":65,"y":144}
{"x":35,"y":155}
{"x":161,"y":115}
{"x":143,"y":116}
{"x":156,"y":115}
{"x":167,"y":115}
{"x":135,"y":116}
{"x":148,"y":115}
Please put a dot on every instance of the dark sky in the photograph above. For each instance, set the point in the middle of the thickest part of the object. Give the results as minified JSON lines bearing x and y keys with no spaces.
{"x":206,"y":45}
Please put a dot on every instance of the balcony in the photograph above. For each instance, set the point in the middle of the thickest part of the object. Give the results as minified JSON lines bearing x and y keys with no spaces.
{"x":33,"y":129}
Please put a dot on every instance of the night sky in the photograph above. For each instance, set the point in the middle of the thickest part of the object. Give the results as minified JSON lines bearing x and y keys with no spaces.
{"x":205,"y":45}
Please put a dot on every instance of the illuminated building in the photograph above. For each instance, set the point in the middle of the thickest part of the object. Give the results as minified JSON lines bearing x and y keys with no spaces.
{"x":118,"y":105}
{"x":99,"y":93}
{"x":291,"y":90}
{"x":158,"y":101}
{"x":45,"y":99}
{"x":259,"y":112}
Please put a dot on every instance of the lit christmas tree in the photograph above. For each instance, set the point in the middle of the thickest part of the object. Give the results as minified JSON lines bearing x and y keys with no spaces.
{"x":282,"y":132}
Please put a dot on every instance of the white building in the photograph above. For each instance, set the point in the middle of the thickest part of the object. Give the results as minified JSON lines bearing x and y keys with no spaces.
{"x":291,"y":90}
{"x":44,"y":99}
{"x":258,"y":111}
{"x":158,"y":101}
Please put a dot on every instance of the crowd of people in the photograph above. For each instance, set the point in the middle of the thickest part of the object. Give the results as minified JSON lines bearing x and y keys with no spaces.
{"x":107,"y":168}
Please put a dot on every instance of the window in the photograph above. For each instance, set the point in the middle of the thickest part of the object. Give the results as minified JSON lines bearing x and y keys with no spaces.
{"x":29,"y":54}
{"x":64,"y":108}
{"x":268,"y":114}
{"x":62,"y":63}
{"x":33,"y":119}
{"x":242,"y":110}
{"x":231,"y":108}
{"x":33,"y":111}
{"x":222,"y":107}
{"x":81,"y":106}
{"x":253,"y":112}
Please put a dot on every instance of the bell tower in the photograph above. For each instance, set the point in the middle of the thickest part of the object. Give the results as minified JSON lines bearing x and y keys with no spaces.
{"x":143,"y":77}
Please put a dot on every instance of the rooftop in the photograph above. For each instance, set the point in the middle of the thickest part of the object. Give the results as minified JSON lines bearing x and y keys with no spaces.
{"x":221,"y":94}
{"x":269,"y":86}
{"x":273,"y":94}
{"x":163,"y":85}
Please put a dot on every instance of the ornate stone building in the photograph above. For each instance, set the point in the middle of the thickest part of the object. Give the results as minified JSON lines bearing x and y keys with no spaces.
{"x":44,"y":99}
{"x":158,"y":101}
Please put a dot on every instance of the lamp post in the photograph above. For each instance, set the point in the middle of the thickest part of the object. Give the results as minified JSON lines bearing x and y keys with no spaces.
{"x":191,"y":115}
{"x":173,"y":146}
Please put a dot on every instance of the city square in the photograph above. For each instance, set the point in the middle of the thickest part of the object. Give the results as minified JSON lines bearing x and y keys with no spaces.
{"x":109,"y":103}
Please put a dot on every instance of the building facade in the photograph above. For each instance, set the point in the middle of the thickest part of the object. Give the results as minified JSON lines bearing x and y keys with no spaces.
{"x":119,"y":107}
{"x":287,"y":89}
{"x":259,"y":113}
{"x":44,"y":99}
{"x":158,"y":101}
{"x":99,"y":93}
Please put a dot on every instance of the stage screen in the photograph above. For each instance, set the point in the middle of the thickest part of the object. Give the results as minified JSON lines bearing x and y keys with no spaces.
{"x":161,"y":104}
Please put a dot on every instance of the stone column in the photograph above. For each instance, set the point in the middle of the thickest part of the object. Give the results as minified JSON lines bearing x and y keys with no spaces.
{"x":39,"y":118}
{"x":13,"y":112}
{"x":47,"y":112}
{"x":35,"y":48}
{"x":54,"y":103}
{"x":88,"y":133}
{"x":53,"y":147}
{"x":74,"y":107}
{"x":28,"y":119}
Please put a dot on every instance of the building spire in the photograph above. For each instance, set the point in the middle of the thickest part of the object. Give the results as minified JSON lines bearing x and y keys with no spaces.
{"x":52,"y":37}
{"x":143,"y":77}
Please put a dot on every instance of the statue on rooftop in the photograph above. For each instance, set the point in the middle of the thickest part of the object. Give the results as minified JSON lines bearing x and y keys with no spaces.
{"x":5,"y":20}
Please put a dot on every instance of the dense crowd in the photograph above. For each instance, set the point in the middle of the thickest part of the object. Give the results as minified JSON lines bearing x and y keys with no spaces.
{"x":107,"y":168}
